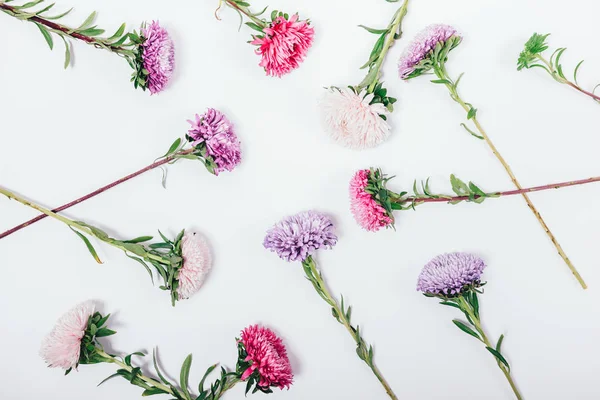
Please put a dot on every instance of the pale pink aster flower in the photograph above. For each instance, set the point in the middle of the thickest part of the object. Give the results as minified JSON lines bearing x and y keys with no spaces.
{"x":266,"y":354}
{"x":366,"y":210}
{"x":284,"y":45}
{"x":62,"y":347}
{"x":197,"y":262}
{"x":158,"y":55}
{"x":421,"y":47}
{"x":351,"y":120}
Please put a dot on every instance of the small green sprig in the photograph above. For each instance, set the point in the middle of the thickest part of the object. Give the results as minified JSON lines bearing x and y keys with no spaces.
{"x":531,"y":57}
{"x":125,"y":44}
{"x":89,"y":342}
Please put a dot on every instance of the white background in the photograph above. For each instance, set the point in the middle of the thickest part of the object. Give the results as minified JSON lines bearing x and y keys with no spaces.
{"x":65,"y":133}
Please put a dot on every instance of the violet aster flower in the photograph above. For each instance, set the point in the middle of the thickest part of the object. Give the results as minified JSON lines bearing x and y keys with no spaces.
{"x":158,"y":56}
{"x":213,"y":134}
{"x":266,"y":361}
{"x":415,"y":60}
{"x":449,"y":274}
{"x":297,"y":237}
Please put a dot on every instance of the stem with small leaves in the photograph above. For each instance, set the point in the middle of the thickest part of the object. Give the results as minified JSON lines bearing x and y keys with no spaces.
{"x":444,"y":77}
{"x":243,"y":8}
{"x":473,"y":317}
{"x":560,"y":79}
{"x":343,"y":316}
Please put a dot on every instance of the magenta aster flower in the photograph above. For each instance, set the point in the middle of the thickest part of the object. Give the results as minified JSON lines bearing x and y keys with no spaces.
{"x":62,"y":346}
{"x":158,"y":56}
{"x":366,"y":210}
{"x":214,"y":133}
{"x":297,"y":237}
{"x":421,"y":48}
{"x":267,"y":356}
{"x":197,"y":262}
{"x":284,"y":45}
{"x":449,"y":274}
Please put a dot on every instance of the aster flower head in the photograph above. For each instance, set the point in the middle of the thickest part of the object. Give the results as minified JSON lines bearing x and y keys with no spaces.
{"x":72,"y":341}
{"x":155,"y":58}
{"x":370,"y":201}
{"x":352,"y":119}
{"x":196,"y":264}
{"x":283,"y":43}
{"x":297,"y":237}
{"x":429,"y":47}
{"x":214,"y":137}
{"x":451,"y":274}
{"x":263,"y":360}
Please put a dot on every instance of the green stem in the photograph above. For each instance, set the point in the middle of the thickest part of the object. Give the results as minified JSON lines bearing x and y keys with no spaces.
{"x":441,"y":73}
{"x":246,"y":11}
{"x":149,"y":381}
{"x":477,"y":324}
{"x":73,"y":224}
{"x":554,"y":74}
{"x":343,"y":318}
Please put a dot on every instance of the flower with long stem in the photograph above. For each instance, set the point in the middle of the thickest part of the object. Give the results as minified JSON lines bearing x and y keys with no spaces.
{"x":181,"y":264}
{"x":212,"y":140}
{"x":429,"y":52}
{"x":297,"y":238}
{"x":531,"y":57}
{"x":282,"y":41}
{"x":356,"y":116}
{"x":455,"y":279}
{"x":150,"y":53}
{"x":372,"y":203}
{"x":262,"y":362}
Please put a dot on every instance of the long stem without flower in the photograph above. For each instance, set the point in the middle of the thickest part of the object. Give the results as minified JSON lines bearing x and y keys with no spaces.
{"x":343,"y":317}
{"x":449,"y":199}
{"x":96,"y":192}
{"x":477,"y":324}
{"x":552,"y":71}
{"x":441,"y":73}
{"x":78,"y":226}
{"x":62,"y":30}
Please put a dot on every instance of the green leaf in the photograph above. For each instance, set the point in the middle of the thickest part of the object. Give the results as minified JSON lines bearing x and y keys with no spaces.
{"x":254,"y":26}
{"x":160,"y":375}
{"x":152,"y":391}
{"x":46,"y":35}
{"x":441,"y":81}
{"x":463,"y":327}
{"x":144,"y":265}
{"x":451,"y":304}
{"x":139,"y":239}
{"x":67,"y":53}
{"x":499,"y":356}
{"x":375,"y":31}
{"x":458,"y":186}
{"x":110,"y":377}
{"x":102,"y":332}
{"x":59,"y":16}
{"x":575,"y":73}
{"x":118,"y":33}
{"x":499,"y":344}
{"x":88,"y":22}
{"x":208,"y":371}
{"x":472,"y":113}
{"x":92,"y":32}
{"x":173,"y":147}
{"x":185,"y":375}
{"x":88,"y":245}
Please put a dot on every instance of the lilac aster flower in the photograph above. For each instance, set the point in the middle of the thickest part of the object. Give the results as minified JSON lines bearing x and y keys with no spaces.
{"x":214,"y":131}
{"x":449,"y":274}
{"x":297,"y":237}
{"x":421,"y":48}
{"x":158,"y":56}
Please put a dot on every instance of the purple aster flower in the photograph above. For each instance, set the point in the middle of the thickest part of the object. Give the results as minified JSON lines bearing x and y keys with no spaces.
{"x":297,"y":237}
{"x":158,"y":56}
{"x":422,"y":47}
{"x":448,"y":274}
{"x":215,"y":132}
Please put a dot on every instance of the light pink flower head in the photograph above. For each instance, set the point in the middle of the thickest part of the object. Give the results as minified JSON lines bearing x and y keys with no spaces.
{"x":197,"y":262}
{"x":284,"y":45}
{"x":351,"y":120}
{"x":366,"y":210}
{"x":266,"y":354}
{"x":158,"y":55}
{"x":421,"y":47}
{"x":62,"y":347}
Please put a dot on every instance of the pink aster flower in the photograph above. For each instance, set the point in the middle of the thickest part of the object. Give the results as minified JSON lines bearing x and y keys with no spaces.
{"x":422,"y":46}
{"x":158,"y":56}
{"x":267,"y":356}
{"x":62,"y":347}
{"x":366,"y":210}
{"x":351,"y":120}
{"x":284,"y":45}
{"x":197,"y":262}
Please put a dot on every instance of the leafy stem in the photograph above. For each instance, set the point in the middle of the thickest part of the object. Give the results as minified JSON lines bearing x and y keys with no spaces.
{"x":243,"y":7}
{"x":343,"y":316}
{"x":439,"y":68}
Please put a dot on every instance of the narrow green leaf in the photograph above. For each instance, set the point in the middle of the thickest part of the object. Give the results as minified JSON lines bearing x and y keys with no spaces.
{"x":139,"y":239}
{"x":254,"y":26}
{"x":46,"y":36}
{"x":160,"y":375}
{"x":110,"y":377}
{"x":185,"y":375}
{"x":88,"y":245}
{"x":208,"y":371}
{"x":59,"y":16}
{"x":472,"y":113}
{"x":451,"y":304}
{"x":152,"y":391}
{"x":118,"y":33}
{"x":67,"y":52}
{"x":499,"y":356}
{"x":499,"y":344}
{"x":375,"y":31}
{"x":102,"y":332}
{"x":88,"y":22}
{"x":92,"y":32}
{"x":575,"y":73}
{"x":463,"y":327}
{"x":441,"y":81}
{"x":144,"y":265}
